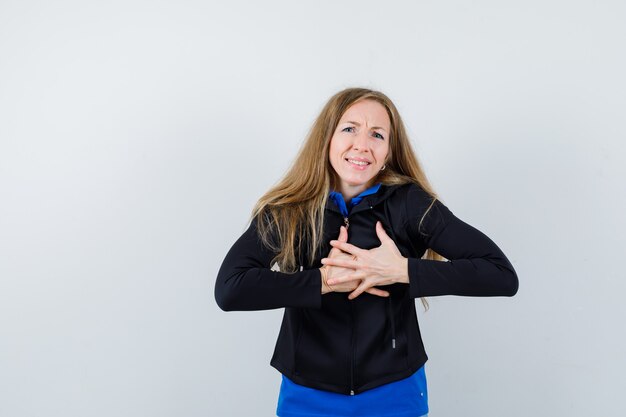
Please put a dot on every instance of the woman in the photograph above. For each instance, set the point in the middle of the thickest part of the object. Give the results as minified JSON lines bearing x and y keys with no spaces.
{"x":350,"y":343}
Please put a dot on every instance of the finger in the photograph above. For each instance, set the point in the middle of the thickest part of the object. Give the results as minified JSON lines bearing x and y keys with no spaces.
{"x":343,"y":237}
{"x":380,"y":231}
{"x":343,"y":234}
{"x":378,"y":292}
{"x":346,"y":247}
{"x":356,"y":276}
{"x":343,"y":262}
{"x":364,"y":286}
{"x":333,"y":252}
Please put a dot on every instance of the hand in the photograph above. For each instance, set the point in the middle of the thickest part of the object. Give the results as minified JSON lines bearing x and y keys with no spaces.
{"x":383,"y":265}
{"x":330,"y":272}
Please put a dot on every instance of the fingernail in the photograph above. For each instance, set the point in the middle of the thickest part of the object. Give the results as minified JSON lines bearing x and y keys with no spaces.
{"x":323,"y":260}
{"x":330,"y":281}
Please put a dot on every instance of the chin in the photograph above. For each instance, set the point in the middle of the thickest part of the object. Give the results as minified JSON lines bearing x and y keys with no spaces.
{"x":361,"y":183}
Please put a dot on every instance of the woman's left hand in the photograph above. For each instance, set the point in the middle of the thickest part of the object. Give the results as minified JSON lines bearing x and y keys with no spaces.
{"x":383,"y":265}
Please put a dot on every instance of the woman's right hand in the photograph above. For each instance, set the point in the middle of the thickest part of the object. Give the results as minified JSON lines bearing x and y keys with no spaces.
{"x":328,"y":272}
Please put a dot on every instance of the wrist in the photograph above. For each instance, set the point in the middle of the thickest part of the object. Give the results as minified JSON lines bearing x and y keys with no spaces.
{"x":325,"y":287}
{"x":403,"y":271}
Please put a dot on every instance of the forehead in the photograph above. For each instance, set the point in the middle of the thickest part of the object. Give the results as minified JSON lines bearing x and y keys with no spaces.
{"x":369,"y":111}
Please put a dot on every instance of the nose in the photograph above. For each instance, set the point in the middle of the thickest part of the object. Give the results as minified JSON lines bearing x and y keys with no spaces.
{"x":360,"y":142}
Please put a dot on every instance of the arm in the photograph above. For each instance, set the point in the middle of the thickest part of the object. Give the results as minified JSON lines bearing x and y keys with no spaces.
{"x":246,"y":282}
{"x":476,"y":266}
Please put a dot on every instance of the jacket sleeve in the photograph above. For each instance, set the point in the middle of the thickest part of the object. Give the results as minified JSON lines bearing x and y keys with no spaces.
{"x":476,"y":266}
{"x":246,"y":282}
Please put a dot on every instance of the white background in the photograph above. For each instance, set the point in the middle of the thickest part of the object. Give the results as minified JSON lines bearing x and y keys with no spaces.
{"x":135,"y":137}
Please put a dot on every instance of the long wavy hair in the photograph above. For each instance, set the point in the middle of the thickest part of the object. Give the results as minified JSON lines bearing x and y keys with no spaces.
{"x":292,"y":211}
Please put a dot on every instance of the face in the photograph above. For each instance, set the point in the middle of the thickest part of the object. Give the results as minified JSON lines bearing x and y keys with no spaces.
{"x":359,"y":146}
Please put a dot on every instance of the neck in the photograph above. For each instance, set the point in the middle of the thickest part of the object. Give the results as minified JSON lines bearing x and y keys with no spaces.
{"x":349,"y":192}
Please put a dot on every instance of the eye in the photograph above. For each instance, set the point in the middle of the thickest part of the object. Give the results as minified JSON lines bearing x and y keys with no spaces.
{"x":378,"y":135}
{"x":349,"y":127}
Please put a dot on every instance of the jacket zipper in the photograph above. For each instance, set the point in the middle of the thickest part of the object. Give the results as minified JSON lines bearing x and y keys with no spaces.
{"x":346,"y":222}
{"x":352,"y":351}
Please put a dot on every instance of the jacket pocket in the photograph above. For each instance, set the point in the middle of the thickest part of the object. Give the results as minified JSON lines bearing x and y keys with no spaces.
{"x":383,"y":348}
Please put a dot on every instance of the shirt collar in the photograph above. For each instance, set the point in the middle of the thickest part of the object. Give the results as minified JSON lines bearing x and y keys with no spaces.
{"x":337,"y":197}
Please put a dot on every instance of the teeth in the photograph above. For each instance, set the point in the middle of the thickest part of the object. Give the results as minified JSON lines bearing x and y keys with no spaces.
{"x":358,"y":162}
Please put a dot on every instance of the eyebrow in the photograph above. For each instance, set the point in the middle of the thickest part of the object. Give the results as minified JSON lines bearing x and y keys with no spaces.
{"x":359,"y":124}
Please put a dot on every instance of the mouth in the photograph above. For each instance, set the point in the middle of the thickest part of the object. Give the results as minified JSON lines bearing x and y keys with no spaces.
{"x":360,"y":163}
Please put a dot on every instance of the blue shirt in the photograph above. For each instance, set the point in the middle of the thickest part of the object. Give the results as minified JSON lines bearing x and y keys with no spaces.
{"x":407,"y":397}
{"x":341,"y":203}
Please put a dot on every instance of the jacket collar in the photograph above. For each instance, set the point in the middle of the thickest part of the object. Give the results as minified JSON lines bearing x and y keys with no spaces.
{"x":368,"y":201}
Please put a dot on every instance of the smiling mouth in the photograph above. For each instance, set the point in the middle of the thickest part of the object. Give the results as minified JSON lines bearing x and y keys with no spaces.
{"x":359,"y":163}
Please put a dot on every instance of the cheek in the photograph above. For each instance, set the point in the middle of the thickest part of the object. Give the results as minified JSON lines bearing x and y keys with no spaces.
{"x":334,"y":150}
{"x":382,"y":151}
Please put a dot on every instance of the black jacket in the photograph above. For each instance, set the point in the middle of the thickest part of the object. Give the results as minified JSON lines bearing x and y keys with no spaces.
{"x":348,"y":346}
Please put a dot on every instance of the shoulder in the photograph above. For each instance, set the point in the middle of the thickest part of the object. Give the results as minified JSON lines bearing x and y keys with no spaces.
{"x":422,"y":211}
{"x":410,"y":196}
{"x":262,"y":229}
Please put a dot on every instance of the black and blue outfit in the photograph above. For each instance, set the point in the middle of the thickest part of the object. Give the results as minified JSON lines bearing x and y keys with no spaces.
{"x":407,"y":397}
{"x":331,"y":350}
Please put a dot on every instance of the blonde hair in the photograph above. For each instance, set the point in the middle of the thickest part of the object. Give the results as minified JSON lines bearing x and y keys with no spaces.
{"x":292,"y":211}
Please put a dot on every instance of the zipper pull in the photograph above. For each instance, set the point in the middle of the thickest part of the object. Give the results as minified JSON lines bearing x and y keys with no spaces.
{"x":346,"y":222}
{"x":351,"y":392}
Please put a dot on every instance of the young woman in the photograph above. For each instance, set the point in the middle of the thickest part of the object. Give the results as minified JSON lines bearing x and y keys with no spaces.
{"x":345,"y":242}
